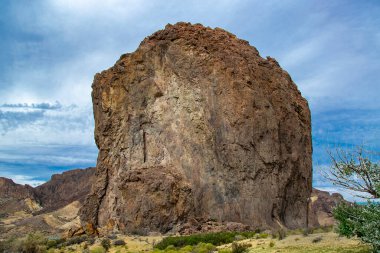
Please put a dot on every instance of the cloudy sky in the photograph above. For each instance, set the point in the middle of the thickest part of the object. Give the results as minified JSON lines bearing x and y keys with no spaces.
{"x":50,"y":51}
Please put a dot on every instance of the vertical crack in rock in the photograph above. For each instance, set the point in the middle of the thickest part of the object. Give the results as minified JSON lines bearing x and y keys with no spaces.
{"x":229,"y":137}
{"x":144,"y":142}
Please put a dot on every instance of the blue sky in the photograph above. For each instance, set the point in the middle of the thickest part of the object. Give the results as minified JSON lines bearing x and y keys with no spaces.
{"x":50,"y":51}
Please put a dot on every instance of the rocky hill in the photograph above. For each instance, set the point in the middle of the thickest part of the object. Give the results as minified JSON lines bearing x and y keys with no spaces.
{"x":60,"y":190}
{"x":50,"y":208}
{"x":194,"y":126}
{"x":15,"y":197}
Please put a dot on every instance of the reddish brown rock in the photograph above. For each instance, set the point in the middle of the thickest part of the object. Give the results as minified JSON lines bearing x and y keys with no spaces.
{"x":15,"y":197}
{"x":65,"y":188}
{"x":59,"y":191}
{"x":195,"y":124}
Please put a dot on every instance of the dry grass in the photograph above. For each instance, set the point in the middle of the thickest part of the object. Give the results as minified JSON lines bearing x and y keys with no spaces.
{"x":330,"y":242}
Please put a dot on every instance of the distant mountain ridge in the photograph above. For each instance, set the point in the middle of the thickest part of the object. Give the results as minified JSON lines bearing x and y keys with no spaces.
{"x":59,"y":191}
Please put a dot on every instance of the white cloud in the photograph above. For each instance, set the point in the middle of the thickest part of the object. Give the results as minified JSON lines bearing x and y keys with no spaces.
{"x":66,"y":125}
{"x":24,"y":179}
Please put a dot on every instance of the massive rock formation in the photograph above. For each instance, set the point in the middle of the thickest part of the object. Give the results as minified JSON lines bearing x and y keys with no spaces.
{"x":194,"y":126}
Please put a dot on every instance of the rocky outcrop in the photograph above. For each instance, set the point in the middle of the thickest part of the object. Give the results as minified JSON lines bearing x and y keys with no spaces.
{"x":321,"y":207}
{"x":15,"y":197}
{"x":195,"y":125}
{"x":49,"y":208}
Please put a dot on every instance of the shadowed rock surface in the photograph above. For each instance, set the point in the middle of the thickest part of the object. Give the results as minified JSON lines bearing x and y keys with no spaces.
{"x":196,"y":125}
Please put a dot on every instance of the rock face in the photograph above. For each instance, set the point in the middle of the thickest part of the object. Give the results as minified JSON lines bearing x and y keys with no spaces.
{"x":195,"y":125}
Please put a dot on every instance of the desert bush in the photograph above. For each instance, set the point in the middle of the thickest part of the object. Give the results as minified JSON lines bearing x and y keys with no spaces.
{"x":54,"y":243}
{"x":271,"y":244}
{"x":106,"y":244}
{"x":362,"y":221}
{"x":212,"y":238}
{"x":281,"y":234}
{"x":119,"y":243}
{"x":239,"y":237}
{"x":262,"y":236}
{"x":98,"y":250}
{"x":240,"y":247}
{"x":224,"y":251}
{"x":306,"y":232}
{"x":317,"y":239}
{"x":90,"y":240}
{"x":75,"y":240}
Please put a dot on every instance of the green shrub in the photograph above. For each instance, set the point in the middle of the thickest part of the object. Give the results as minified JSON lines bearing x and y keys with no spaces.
{"x":211,"y":238}
{"x":98,"y":250}
{"x":271,"y":244}
{"x":262,"y":236}
{"x":224,"y":251}
{"x":75,"y":240}
{"x":240,"y":247}
{"x":33,"y":243}
{"x":306,"y":232}
{"x":106,"y":244}
{"x":281,"y":234}
{"x":362,"y":221}
{"x":90,"y":240}
{"x":55,"y":243}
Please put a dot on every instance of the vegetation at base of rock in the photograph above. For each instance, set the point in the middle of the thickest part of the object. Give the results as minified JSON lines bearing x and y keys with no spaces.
{"x":98,"y":249}
{"x":33,"y":243}
{"x":240,"y":247}
{"x":362,"y":221}
{"x":119,"y":243}
{"x":199,"y":248}
{"x":106,"y":243}
{"x":354,"y":171}
{"x":216,"y":239}
{"x":317,"y":239}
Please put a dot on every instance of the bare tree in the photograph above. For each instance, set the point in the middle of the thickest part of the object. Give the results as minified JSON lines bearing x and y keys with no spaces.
{"x":353,"y":170}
